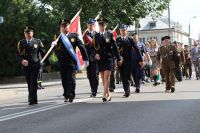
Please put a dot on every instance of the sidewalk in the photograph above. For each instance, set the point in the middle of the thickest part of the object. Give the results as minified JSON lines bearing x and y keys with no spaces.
{"x":80,"y":76}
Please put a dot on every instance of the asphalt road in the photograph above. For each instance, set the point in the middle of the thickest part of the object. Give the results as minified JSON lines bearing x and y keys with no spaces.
{"x":151,"y":111}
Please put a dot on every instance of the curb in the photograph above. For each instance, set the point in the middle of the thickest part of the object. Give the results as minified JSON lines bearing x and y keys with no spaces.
{"x":45,"y":84}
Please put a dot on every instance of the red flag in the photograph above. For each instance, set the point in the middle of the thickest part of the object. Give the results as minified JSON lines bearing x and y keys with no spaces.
{"x":114,"y":34}
{"x":75,"y":27}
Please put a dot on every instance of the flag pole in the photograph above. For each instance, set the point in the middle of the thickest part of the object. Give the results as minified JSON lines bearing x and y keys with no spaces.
{"x":51,"y":48}
{"x":76,"y":15}
{"x":115,"y":28}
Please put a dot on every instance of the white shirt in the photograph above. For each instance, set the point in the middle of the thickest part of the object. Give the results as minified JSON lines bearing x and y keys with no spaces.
{"x":123,"y":38}
{"x":196,"y":48}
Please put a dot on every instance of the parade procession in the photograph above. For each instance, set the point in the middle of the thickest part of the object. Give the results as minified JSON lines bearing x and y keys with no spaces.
{"x":102,"y":52}
{"x":113,"y":66}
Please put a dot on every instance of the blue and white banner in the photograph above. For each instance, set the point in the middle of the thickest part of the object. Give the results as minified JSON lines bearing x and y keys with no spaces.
{"x":70,"y":49}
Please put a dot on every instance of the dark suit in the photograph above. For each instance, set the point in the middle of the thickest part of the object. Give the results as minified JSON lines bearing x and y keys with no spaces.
{"x":131,"y":55}
{"x":67,"y":64}
{"x":31,"y":52}
{"x":106,"y":47}
{"x":92,"y":69}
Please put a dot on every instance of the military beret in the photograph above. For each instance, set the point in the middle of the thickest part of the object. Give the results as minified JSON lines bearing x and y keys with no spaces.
{"x":165,"y":37}
{"x":65,"y":22}
{"x":91,"y":21}
{"x":28,"y":29}
{"x":102,"y":21}
{"x":123,"y":27}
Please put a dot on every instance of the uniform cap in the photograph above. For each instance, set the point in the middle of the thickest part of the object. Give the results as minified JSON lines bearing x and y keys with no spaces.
{"x":102,"y":21}
{"x":65,"y":22}
{"x":165,"y":37}
{"x":28,"y":29}
{"x":123,"y":27}
{"x":91,"y":21}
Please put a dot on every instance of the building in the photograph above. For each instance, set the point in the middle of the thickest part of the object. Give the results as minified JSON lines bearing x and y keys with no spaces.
{"x":157,"y":28}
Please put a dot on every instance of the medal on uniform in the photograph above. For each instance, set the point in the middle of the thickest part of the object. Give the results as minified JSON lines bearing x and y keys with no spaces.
{"x":107,"y":40}
{"x":35,"y":46}
{"x":72,"y":39}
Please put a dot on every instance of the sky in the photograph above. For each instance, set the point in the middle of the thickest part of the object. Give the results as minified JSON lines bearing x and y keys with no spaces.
{"x":182,"y":11}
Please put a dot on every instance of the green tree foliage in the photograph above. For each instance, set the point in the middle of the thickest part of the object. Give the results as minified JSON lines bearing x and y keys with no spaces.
{"x":44,"y":16}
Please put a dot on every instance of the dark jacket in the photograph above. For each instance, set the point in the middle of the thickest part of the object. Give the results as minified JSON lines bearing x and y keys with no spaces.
{"x":126,"y":48}
{"x":64,"y":57}
{"x":31,"y":52}
{"x":106,"y":46}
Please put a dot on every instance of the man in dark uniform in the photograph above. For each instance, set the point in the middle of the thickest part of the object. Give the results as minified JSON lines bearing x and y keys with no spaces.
{"x":166,"y":56}
{"x":132,"y":60}
{"x":28,"y":51}
{"x":92,"y":69}
{"x":65,"y":50}
{"x":144,"y":53}
{"x":188,"y":62}
{"x":179,"y":61}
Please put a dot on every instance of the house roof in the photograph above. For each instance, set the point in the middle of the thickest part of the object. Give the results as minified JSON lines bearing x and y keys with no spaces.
{"x":161,"y":23}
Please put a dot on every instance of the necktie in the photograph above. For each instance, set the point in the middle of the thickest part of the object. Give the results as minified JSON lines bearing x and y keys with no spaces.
{"x":90,"y":34}
{"x":29,"y":42}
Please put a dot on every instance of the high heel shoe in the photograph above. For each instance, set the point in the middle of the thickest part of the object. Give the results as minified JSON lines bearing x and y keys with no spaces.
{"x":109,"y":98}
{"x":104,"y":99}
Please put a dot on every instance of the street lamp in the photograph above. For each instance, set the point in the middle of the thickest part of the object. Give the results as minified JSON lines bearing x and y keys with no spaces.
{"x":189,"y":40}
{"x":1,"y":19}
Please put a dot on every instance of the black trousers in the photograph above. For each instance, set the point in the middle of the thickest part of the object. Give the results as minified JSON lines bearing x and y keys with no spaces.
{"x":68,"y":77}
{"x":31,"y":75}
{"x":126,"y":72}
{"x":112,"y":79}
{"x":93,"y":76}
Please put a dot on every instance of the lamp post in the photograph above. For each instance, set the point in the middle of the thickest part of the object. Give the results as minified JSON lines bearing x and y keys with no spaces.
{"x":189,"y":28}
{"x":169,"y":19}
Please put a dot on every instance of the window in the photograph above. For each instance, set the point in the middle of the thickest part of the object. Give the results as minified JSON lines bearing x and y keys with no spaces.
{"x":152,"y":24}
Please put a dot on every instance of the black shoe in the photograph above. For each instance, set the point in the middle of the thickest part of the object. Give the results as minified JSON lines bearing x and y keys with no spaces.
{"x":42,"y":87}
{"x":93,"y":95}
{"x":126,"y":95}
{"x":137,"y":90}
{"x":104,"y":99}
{"x":197,"y":78}
{"x":155,"y":84}
{"x":172,"y":89}
{"x":111,"y":90}
{"x":71,"y":98}
{"x":32,"y":103}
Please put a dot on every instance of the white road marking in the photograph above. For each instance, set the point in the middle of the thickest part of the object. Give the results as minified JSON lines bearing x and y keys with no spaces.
{"x":14,"y":108}
{"x":37,"y":110}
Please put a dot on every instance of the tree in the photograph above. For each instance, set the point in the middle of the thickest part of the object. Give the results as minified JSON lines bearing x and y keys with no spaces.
{"x":44,"y":16}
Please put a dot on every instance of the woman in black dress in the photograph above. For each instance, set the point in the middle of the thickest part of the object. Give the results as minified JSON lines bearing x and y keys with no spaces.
{"x":106,"y":49}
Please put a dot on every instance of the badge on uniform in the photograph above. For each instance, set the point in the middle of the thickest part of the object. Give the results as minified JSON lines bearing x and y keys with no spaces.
{"x":107,"y":40}
{"x":72,"y":39}
{"x":35,"y":45}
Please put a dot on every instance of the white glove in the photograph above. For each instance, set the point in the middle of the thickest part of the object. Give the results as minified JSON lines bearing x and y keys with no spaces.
{"x":150,"y":62}
{"x":86,"y":63}
{"x":54,"y":43}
